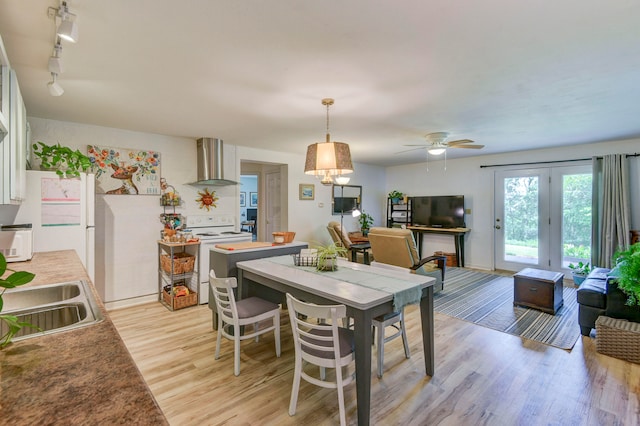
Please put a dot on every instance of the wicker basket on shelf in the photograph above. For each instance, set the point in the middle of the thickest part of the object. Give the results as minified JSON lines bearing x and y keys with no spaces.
{"x":180,"y":302}
{"x":182,"y":263}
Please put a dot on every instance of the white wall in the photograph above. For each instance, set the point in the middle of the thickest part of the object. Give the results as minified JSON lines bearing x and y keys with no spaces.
{"x":178,"y":158}
{"x":309,"y":218}
{"x":128,"y":226}
{"x":465,"y":177}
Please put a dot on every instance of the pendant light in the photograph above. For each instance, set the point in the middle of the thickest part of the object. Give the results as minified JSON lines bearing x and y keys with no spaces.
{"x":328,"y":159}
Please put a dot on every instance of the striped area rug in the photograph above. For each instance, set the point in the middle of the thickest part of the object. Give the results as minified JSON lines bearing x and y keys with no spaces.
{"x":487,"y":300}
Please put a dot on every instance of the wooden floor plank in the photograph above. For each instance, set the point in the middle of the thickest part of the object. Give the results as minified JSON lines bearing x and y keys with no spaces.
{"x":482,"y":377}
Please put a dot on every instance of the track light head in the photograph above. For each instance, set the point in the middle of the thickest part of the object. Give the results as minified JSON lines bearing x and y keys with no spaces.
{"x":54,"y":87}
{"x":68,"y":28}
{"x":55,"y":61}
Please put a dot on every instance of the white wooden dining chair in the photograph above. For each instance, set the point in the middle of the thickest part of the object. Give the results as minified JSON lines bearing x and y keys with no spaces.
{"x":232,"y":315}
{"x":393,"y":320}
{"x":322,"y":344}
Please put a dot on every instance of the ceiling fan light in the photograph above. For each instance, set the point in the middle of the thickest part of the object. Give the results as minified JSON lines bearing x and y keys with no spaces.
{"x":436,"y":151}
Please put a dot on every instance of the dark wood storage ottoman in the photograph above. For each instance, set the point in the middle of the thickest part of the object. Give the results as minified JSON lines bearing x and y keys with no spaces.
{"x":539,"y":289}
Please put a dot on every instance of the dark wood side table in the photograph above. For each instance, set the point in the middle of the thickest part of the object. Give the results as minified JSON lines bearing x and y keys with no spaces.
{"x":360,"y":248}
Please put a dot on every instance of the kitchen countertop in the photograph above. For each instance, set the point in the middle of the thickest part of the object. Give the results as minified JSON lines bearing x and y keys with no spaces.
{"x":82,"y":376}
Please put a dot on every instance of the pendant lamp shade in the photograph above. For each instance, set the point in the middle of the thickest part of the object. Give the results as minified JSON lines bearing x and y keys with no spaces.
{"x":331,"y":157}
{"x":328,"y":159}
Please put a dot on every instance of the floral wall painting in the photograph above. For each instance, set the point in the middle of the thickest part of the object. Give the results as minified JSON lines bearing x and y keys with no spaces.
{"x":253,"y":199}
{"x":125,"y":171}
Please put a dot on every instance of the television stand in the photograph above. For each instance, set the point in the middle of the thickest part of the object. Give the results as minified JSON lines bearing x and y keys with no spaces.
{"x":456,"y":233}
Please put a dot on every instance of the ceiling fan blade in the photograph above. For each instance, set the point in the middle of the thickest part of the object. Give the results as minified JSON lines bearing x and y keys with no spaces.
{"x":467,"y":146}
{"x":412,"y":149}
{"x":459,"y":142}
{"x":422,"y":144}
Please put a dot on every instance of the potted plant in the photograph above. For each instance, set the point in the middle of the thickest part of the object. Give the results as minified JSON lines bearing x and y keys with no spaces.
{"x":628,"y":273}
{"x":396,"y":196}
{"x":13,"y":280}
{"x":328,"y":256}
{"x":579,"y":272}
{"x":365,"y":220}
{"x":65,"y":161}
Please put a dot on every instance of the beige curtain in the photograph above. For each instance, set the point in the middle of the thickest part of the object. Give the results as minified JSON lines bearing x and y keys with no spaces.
{"x":611,"y":211}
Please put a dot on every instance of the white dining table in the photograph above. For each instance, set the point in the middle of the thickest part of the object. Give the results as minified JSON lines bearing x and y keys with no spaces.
{"x":273,"y":277}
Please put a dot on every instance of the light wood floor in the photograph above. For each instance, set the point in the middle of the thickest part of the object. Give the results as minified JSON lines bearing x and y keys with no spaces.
{"x":482,"y":377}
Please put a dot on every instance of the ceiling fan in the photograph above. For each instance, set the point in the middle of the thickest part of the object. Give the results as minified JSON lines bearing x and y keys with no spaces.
{"x":436,"y":144}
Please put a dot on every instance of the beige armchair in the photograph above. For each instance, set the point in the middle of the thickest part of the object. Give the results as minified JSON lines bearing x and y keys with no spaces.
{"x":340,"y":237}
{"x":395,"y":246}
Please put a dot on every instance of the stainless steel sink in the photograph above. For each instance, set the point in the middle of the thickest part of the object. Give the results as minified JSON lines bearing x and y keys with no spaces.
{"x":53,"y":308}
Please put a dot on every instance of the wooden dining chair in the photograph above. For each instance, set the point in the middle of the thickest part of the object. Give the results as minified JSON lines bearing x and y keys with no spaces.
{"x":323,"y":344}
{"x":232,"y":315}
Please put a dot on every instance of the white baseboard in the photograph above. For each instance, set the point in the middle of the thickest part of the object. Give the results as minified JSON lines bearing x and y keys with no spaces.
{"x":125,"y":303}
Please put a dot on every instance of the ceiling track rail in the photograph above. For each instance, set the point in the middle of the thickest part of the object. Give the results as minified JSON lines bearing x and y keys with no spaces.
{"x":548,"y":162}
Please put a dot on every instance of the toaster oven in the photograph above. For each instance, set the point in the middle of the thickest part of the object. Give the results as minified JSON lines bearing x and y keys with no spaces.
{"x":16,"y":245}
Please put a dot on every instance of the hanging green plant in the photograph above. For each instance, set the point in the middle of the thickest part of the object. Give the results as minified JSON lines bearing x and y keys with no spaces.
{"x":65,"y":161}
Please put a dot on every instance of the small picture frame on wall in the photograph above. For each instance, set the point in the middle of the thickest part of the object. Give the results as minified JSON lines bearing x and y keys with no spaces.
{"x":253,"y":199}
{"x":243,"y":199}
{"x":307,"y":191}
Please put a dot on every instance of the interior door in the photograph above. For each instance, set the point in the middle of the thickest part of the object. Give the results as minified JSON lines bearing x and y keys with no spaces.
{"x":522,"y":221}
{"x":272,"y":204}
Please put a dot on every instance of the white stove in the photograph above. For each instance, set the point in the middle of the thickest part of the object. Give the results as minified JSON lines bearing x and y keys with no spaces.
{"x":212,"y":230}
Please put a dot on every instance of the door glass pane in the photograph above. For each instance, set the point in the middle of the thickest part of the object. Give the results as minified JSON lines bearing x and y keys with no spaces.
{"x":521,"y":219}
{"x":576,"y":218}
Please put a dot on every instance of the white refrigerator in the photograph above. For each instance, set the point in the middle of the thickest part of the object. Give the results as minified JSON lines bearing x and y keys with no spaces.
{"x":62,"y":213}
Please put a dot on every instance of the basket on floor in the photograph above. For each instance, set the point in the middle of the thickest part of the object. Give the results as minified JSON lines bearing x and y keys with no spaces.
{"x":182,"y":263}
{"x":618,"y":338}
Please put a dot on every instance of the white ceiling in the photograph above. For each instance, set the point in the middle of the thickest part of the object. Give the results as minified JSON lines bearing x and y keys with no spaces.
{"x":508,"y":74}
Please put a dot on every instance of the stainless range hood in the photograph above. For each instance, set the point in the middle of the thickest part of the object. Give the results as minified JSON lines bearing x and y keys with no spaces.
{"x":210,"y":158}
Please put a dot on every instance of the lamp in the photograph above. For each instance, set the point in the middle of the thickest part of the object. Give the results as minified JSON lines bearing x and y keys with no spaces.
{"x":328,"y":159}
{"x":68,"y":29}
{"x":342,"y":180}
{"x":55,"y":62}
{"x":54,"y":87}
{"x":354,"y":213}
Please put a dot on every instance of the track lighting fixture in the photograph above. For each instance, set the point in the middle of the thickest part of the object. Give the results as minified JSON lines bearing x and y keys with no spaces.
{"x":55,"y":61}
{"x":54,"y":87}
{"x":68,"y":28}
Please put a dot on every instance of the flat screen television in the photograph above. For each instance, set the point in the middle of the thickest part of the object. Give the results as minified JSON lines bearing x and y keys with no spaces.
{"x":344,"y":204}
{"x":444,"y":211}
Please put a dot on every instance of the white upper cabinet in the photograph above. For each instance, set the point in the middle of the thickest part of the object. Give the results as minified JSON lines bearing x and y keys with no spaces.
{"x":13,"y":134}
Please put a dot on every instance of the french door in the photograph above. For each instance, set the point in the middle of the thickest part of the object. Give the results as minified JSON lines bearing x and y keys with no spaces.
{"x":542,"y":218}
